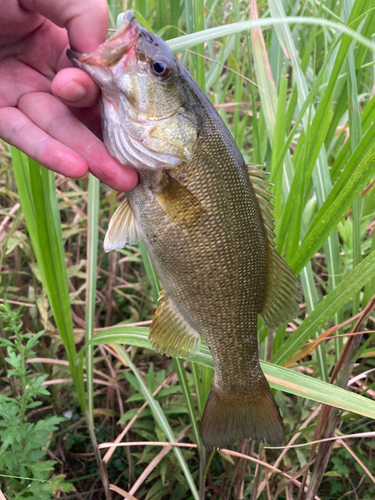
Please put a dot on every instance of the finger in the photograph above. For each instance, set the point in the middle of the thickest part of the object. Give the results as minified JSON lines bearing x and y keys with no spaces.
{"x":86,"y":21}
{"x":60,"y":123}
{"x":75,"y":87}
{"x":19,"y":131}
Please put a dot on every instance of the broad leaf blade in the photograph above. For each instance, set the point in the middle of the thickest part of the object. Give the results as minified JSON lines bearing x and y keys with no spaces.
{"x":281,"y":378}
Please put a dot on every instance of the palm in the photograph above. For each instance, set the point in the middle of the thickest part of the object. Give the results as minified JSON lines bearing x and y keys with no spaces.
{"x":52,"y":131}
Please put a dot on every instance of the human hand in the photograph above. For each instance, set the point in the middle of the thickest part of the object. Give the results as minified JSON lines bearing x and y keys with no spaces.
{"x":45,"y":104}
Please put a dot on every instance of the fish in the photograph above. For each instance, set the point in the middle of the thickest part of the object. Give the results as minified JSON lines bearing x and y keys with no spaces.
{"x":205,"y":219}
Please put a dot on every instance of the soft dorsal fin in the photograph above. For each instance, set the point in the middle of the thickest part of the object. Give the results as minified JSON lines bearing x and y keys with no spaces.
{"x":282,"y":290}
{"x":122,"y":228}
{"x":169,"y":332}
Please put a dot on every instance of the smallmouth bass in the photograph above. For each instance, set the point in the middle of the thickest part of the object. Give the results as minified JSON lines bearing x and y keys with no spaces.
{"x":205,"y":221}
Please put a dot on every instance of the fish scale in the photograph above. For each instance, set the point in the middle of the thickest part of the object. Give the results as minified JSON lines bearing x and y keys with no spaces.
{"x":198,"y":214}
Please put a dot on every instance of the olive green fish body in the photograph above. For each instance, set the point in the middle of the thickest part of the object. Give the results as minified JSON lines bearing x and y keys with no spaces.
{"x":207,"y":229}
{"x":212,"y":264}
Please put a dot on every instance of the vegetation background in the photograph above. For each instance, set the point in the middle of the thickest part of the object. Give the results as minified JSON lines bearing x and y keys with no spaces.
{"x":76,"y":369}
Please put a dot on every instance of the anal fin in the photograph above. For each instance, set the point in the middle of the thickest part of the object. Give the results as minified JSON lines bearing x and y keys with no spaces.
{"x":122,"y":228}
{"x":170,"y":334}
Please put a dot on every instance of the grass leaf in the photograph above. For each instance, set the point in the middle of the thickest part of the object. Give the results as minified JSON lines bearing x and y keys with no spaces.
{"x":334,"y":301}
{"x":160,"y":418}
{"x":357,"y":174}
{"x":36,"y":188}
{"x":281,"y":378}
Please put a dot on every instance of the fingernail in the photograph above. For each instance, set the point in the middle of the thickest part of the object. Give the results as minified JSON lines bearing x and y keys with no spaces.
{"x":73,"y":91}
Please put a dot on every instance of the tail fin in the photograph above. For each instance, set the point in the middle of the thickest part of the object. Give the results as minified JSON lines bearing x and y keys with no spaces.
{"x":234,"y":417}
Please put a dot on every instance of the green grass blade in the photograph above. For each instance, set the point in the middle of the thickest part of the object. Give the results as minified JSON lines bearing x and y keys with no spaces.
{"x":182,"y":378}
{"x":269,"y":101}
{"x":370,"y":287}
{"x":311,"y":299}
{"x":254,"y":121}
{"x":355,"y":139}
{"x":92,"y":254}
{"x":161,"y":15}
{"x":207,"y":374}
{"x":304,"y":386}
{"x":344,"y":154}
{"x":188,"y":41}
{"x":334,"y":301}
{"x":150,"y":271}
{"x":280,"y":378}
{"x":190,"y":18}
{"x":36,"y":188}
{"x":161,"y":419}
{"x":289,"y":185}
{"x":268,"y":94}
{"x":237,"y":79}
{"x":320,"y":174}
{"x":141,"y":7}
{"x":198,"y":387}
{"x":174,"y":19}
{"x":278,"y":142}
{"x":199,"y":26}
{"x":358,"y":173}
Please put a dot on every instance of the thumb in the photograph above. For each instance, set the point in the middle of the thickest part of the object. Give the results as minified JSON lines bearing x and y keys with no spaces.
{"x":85,"y":21}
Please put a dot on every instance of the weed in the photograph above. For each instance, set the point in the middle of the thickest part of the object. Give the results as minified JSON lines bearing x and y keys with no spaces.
{"x":24,"y":470}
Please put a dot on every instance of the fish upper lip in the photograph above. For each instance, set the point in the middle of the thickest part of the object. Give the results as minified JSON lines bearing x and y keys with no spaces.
{"x":119,"y":42}
{"x":129,"y":16}
{"x":73,"y":55}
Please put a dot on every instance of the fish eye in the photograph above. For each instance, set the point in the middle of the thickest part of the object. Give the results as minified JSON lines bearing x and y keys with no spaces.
{"x":160,"y":68}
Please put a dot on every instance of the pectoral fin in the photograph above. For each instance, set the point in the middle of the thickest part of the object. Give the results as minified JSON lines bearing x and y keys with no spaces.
{"x":179,"y":203}
{"x":122,"y":228}
{"x":170,"y":334}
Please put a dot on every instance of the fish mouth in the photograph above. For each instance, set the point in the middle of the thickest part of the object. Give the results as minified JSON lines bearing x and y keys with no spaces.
{"x":120,"y":46}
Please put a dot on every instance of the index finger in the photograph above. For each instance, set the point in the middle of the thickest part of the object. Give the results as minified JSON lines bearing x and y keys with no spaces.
{"x":85,"y":21}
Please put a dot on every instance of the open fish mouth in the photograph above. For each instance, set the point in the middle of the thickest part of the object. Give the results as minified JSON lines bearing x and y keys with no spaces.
{"x":143,"y":103}
{"x":120,"y":46}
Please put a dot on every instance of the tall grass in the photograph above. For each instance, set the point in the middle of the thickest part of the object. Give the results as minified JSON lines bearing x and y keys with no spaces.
{"x":309,"y":120}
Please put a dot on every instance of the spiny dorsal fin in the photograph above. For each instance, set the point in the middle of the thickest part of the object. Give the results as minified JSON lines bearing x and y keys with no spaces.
{"x":122,"y":228}
{"x":169,"y":332}
{"x":282,"y":290}
{"x":260,"y":185}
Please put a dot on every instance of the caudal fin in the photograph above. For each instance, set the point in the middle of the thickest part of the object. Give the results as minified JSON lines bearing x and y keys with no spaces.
{"x":234,"y":417}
